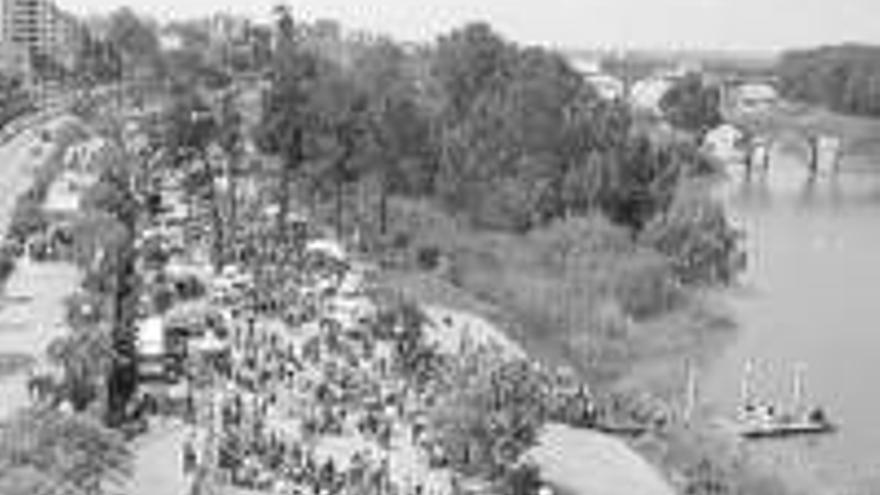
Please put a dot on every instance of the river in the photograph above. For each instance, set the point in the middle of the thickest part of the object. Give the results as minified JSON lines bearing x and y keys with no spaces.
{"x":810,"y":295}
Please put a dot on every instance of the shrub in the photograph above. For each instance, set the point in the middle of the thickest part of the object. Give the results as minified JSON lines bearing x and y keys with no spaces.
{"x":27,"y":219}
{"x":697,"y":237}
{"x":7,"y":266}
{"x":428,"y":257}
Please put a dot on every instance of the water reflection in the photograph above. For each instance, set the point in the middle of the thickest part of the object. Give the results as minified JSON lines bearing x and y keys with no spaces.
{"x":796,"y":188}
{"x":812,"y":280}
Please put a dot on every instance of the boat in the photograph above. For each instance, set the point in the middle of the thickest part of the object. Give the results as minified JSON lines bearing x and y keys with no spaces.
{"x":766,"y":420}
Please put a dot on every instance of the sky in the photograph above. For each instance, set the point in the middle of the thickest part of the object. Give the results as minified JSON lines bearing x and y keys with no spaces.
{"x":606,"y":24}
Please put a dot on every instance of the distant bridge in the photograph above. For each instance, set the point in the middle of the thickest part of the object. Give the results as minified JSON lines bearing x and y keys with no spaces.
{"x":825,"y":138}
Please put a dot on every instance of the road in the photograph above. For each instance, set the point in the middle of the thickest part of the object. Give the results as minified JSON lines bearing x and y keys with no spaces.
{"x":28,"y":327}
{"x":158,"y":462}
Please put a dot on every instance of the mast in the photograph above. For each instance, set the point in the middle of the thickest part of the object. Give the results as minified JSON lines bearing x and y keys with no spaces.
{"x":745,"y":386}
{"x":798,"y":385}
{"x":691,"y":398}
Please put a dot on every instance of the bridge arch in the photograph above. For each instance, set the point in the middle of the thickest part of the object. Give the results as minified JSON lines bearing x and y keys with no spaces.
{"x":823,"y":150}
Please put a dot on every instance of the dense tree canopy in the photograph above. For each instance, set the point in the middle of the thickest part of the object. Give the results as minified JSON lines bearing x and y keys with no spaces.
{"x":692,"y":104}
{"x":135,"y":37}
{"x":509,"y":137}
{"x":699,"y":239}
{"x":844,"y":78}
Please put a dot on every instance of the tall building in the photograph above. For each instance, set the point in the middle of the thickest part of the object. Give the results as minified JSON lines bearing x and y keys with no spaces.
{"x":42,"y":28}
{"x":29,"y":23}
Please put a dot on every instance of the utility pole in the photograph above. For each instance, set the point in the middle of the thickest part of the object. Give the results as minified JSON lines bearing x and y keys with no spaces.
{"x":691,"y":392}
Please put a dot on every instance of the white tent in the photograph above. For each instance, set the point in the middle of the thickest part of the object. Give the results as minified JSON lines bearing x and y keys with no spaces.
{"x":151,"y":336}
{"x":723,"y":142}
{"x":209,"y":344}
{"x":328,"y":247}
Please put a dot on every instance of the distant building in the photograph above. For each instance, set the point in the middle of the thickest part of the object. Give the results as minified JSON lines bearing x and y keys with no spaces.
{"x":725,"y":143}
{"x":170,"y":41}
{"x":227,"y":28}
{"x":647,"y":94}
{"x":42,"y":29}
{"x":586,"y":66}
{"x":67,"y":39}
{"x":755,"y":97}
{"x":15,"y":61}
{"x":608,"y":86}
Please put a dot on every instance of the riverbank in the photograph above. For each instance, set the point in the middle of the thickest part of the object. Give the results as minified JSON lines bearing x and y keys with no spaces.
{"x":638,"y":362}
{"x":810,"y":302}
{"x":574,"y":461}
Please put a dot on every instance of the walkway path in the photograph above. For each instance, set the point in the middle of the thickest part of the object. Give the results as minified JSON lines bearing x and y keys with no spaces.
{"x":579,"y":461}
{"x":27,"y":328}
{"x":583,"y":462}
{"x":158,"y":462}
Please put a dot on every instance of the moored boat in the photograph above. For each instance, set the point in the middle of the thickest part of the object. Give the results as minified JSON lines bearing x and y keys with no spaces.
{"x":758,"y":421}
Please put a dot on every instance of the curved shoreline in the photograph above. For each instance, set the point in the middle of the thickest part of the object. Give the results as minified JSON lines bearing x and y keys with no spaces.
{"x":576,"y":461}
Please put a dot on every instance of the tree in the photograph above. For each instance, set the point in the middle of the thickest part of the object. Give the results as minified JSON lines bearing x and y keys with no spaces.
{"x":134,"y":37}
{"x":645,"y":176}
{"x":693,"y":105}
{"x":86,"y":355}
{"x":70,"y":453}
{"x":468,"y":62}
{"x":111,"y":258}
{"x":523,"y":138}
{"x":192,"y":129}
{"x":14,"y":100}
{"x":96,"y":239}
{"x":288,"y":116}
{"x":696,"y":235}
{"x":399,"y":149}
{"x":230,"y":139}
{"x":199,"y":60}
{"x":343,"y":108}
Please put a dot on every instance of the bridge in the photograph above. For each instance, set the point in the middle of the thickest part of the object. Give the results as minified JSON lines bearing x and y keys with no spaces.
{"x":824,"y":138}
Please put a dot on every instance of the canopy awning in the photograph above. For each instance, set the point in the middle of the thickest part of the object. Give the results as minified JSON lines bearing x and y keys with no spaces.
{"x":327,"y":247}
{"x":151,"y":336}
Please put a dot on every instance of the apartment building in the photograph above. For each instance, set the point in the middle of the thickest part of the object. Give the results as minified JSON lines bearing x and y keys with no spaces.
{"x":42,"y":28}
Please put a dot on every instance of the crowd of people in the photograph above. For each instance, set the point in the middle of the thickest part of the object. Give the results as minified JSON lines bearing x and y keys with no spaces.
{"x":316,"y":385}
{"x":288,"y":388}
{"x":335,"y":400}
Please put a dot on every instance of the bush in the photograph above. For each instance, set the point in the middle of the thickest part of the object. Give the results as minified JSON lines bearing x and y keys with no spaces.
{"x":698,"y":239}
{"x":7,"y":266}
{"x":27,"y":219}
{"x":428,"y":257}
{"x":524,"y":479}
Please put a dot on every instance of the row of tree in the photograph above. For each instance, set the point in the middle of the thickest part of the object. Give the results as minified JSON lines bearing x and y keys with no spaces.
{"x":844,"y":78}
{"x":510,"y":136}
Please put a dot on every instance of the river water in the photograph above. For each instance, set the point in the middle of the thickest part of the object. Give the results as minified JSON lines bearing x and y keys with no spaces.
{"x":811,"y":295}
